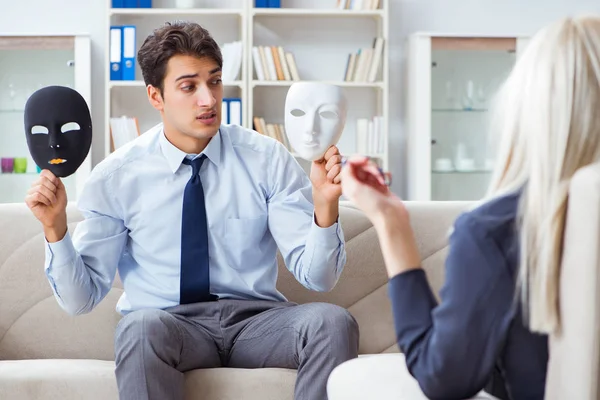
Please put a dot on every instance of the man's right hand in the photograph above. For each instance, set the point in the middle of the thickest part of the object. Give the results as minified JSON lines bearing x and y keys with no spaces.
{"x":47,"y":200}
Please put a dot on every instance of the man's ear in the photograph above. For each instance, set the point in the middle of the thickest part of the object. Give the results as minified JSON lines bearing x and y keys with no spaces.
{"x":155,"y":98}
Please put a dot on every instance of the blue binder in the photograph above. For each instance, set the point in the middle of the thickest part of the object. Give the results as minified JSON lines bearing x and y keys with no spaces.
{"x":118,"y":4}
{"x":235,"y":111}
{"x":128,"y":54}
{"x":225,"y":118}
{"x":274,"y":3}
{"x":261,"y":3}
{"x":116,"y":53}
{"x":137,"y":3}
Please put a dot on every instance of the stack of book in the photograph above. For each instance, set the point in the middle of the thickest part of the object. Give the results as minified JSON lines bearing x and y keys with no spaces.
{"x":232,"y":60}
{"x":276,"y":131}
{"x":364,"y":65}
{"x":358,"y":4}
{"x":273,"y":63}
{"x":123,"y":130}
{"x":370,"y":136}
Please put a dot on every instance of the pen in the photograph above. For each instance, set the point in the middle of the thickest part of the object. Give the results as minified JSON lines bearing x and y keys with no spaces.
{"x":387,"y":176}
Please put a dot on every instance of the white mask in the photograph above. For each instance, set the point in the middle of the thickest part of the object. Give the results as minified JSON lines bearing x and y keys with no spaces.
{"x":315,"y":115}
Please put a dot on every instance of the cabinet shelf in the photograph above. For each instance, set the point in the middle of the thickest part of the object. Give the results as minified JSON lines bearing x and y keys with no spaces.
{"x":174,"y":11}
{"x":256,"y":83}
{"x":318,"y":12}
{"x":459,"y":110}
{"x":16,"y":111}
{"x":464,"y":172}
{"x":139,"y":83}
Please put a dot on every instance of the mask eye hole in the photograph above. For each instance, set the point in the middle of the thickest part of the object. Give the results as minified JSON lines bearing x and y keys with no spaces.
{"x":39,"y":130}
{"x":328,"y":114}
{"x":297,"y":113}
{"x":70,"y":126}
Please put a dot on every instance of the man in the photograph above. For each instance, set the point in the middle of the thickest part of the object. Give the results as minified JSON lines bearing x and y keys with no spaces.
{"x":191,"y":215}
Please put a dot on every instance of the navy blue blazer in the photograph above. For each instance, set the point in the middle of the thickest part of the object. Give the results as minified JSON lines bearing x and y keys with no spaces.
{"x":477,"y":333}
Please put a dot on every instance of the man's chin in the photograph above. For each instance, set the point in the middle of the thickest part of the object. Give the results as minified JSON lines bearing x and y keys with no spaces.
{"x":206,"y":131}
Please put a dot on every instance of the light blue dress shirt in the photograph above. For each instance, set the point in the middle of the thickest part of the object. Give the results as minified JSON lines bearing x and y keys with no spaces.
{"x":258,"y":200}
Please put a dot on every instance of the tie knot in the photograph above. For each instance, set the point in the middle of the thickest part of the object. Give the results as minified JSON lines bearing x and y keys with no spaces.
{"x":196,"y":163}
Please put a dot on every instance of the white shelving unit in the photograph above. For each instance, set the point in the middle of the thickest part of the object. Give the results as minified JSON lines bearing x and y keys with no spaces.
{"x":320,"y":37}
{"x":452,"y":80}
{"x":226,"y":21}
{"x":318,"y":34}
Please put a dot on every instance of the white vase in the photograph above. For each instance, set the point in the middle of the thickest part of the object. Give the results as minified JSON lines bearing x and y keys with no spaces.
{"x":184,"y":3}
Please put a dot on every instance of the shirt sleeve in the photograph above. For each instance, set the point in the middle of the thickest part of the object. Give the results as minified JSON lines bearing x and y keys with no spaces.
{"x":81,"y":268}
{"x":315,"y":255}
{"x":451,"y":348}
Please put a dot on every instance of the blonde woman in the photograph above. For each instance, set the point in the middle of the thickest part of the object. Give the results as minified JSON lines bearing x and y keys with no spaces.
{"x":499,"y":301}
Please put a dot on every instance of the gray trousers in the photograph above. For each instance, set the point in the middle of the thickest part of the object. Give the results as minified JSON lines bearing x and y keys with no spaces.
{"x":155,"y":347}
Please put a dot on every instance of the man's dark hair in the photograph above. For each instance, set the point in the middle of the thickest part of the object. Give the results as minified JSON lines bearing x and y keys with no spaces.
{"x":177,"y":38}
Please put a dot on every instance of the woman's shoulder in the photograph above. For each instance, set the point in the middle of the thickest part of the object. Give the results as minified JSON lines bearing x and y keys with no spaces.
{"x":495,"y":217}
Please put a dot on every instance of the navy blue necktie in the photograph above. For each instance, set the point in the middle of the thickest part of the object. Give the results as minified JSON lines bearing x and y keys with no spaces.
{"x":195,"y":283}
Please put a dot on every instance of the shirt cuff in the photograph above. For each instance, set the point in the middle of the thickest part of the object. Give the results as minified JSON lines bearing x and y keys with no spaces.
{"x":330,"y":236}
{"x":61,"y":252}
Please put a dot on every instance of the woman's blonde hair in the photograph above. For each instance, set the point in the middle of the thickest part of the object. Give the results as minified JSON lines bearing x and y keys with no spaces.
{"x":548,"y":121}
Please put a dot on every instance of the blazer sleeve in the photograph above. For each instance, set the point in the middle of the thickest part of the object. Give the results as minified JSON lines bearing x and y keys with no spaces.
{"x":451,"y":348}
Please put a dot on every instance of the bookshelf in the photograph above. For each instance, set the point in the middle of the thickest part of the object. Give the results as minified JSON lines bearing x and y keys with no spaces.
{"x":318,"y":34}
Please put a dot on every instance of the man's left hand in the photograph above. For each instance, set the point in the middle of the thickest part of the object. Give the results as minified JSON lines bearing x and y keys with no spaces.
{"x":325,"y":175}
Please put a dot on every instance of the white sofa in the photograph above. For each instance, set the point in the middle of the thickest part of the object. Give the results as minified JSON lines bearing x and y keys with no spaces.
{"x":47,"y":354}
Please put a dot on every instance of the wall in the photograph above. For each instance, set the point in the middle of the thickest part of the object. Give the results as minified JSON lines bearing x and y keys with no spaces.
{"x":457,"y":16}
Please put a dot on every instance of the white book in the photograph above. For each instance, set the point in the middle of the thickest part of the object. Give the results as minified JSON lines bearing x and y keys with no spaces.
{"x":265,"y":64}
{"x":364,"y":61}
{"x":284,"y":65}
{"x":375,"y":60}
{"x":260,"y":74}
{"x":289,"y":57}
{"x":362,"y":126}
{"x":270,"y":63}
{"x":371,"y":143}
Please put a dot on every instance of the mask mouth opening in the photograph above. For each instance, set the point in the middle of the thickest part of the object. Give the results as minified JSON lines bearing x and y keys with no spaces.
{"x":57,"y":161}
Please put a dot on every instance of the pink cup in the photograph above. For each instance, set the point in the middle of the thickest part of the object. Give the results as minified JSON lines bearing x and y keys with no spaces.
{"x":8,"y":165}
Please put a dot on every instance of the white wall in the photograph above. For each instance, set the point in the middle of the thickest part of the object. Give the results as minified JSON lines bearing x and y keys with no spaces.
{"x":511,"y":17}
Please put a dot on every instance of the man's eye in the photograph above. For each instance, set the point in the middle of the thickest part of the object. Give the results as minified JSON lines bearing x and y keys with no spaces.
{"x":217,"y":81}
{"x":188,"y":88}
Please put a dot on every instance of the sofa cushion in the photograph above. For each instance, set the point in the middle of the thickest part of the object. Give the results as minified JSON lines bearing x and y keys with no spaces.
{"x":95,"y":379}
{"x":380,"y":377}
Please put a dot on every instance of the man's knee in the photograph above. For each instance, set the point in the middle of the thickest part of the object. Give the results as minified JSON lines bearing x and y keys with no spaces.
{"x":330,"y":318}
{"x":144,"y":326}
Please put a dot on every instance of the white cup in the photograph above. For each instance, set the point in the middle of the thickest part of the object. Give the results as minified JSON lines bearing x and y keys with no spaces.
{"x":443,"y":164}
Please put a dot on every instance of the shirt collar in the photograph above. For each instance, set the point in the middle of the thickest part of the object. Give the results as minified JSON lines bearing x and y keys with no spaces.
{"x":175,"y":156}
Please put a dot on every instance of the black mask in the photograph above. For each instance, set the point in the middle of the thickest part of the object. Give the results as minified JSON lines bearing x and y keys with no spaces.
{"x":58,"y":127}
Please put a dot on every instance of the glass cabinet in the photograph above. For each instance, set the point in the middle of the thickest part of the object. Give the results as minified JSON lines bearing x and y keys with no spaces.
{"x":451,"y":85}
{"x":28,"y":63}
